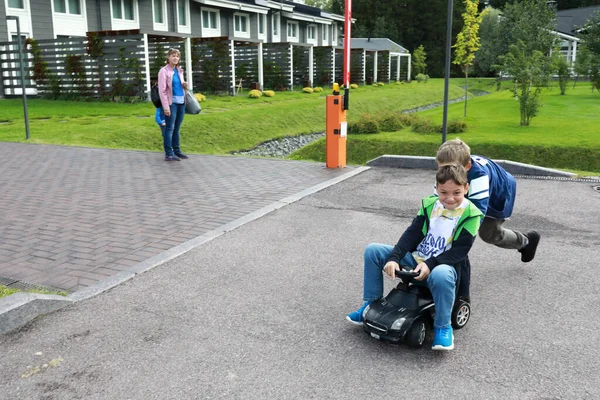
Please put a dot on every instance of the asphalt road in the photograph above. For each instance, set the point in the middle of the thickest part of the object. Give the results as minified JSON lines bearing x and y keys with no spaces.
{"x":258,"y":313}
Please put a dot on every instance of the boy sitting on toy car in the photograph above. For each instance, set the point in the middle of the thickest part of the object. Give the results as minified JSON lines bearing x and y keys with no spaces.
{"x":435,"y":245}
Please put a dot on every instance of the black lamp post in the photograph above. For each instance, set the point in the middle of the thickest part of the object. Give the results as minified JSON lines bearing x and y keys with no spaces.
{"x":20,"y":48}
{"x":447,"y":77}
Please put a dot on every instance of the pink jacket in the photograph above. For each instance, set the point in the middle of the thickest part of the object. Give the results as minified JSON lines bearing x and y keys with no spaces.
{"x":165,"y":88}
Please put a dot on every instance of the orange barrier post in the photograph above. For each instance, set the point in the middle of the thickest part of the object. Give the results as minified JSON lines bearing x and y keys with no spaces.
{"x":335,"y":133}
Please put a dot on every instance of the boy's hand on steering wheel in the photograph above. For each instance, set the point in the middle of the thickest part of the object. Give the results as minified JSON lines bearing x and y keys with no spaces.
{"x":390,"y":267}
{"x":423,"y":271}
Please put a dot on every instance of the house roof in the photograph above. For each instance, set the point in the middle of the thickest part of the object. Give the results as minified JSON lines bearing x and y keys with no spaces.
{"x":570,"y":20}
{"x":295,"y":8}
{"x":377,"y":44}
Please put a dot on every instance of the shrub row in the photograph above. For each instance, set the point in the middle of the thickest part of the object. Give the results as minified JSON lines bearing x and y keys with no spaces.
{"x":395,"y":121}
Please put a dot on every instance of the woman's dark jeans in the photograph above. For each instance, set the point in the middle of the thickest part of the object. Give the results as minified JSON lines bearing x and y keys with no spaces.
{"x":171,"y":131}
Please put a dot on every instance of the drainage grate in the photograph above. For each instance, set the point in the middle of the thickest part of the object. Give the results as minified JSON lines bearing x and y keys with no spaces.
{"x":25,"y":286}
{"x":560,"y":178}
{"x":596,"y":188}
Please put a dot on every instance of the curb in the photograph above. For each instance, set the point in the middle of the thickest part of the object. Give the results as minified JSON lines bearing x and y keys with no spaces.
{"x":21,"y":308}
{"x":421,"y":162}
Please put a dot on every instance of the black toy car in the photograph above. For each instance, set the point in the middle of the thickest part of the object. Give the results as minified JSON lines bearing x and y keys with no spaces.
{"x":405,"y":314}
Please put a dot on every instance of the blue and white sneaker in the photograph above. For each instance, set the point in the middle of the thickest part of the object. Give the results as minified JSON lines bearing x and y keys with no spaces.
{"x":443,"y":338}
{"x":356,"y":317}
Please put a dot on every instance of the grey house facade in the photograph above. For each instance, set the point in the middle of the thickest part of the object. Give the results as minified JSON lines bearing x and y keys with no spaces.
{"x":267,"y":26}
{"x":569,"y":25}
{"x":256,"y":20}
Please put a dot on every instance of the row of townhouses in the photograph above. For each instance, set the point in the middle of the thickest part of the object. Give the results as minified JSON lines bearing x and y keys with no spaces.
{"x":261,"y":20}
{"x":277,"y":44}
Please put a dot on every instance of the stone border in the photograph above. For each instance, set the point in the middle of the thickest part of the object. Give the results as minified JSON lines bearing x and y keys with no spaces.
{"x":422,"y":162}
{"x":20,"y":308}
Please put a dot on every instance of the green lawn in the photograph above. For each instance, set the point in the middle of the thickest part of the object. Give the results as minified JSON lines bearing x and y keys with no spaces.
{"x":226,"y":123}
{"x":564,"y":135}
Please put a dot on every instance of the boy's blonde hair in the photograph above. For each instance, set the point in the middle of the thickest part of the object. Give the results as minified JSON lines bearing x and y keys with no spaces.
{"x":454,"y":152}
{"x":452,"y":172}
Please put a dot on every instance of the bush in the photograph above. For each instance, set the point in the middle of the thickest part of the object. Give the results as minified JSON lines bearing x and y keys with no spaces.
{"x":254,"y":94}
{"x":399,"y":82}
{"x":307,"y":90}
{"x":424,"y":126}
{"x":380,"y":83}
{"x":456,"y":126}
{"x":390,"y":122}
{"x":408,"y":119}
{"x":353,"y":86}
{"x":374,"y":85}
{"x":317,"y":89}
{"x":366,"y":124}
{"x":200,"y":97}
{"x":268,"y":93}
{"x":422,"y":78}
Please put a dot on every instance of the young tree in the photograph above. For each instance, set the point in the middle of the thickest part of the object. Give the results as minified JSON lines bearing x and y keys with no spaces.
{"x":562,"y":69}
{"x":530,"y":71}
{"x":583,"y":63}
{"x":467,"y":42}
{"x":489,"y":31}
{"x":591,"y":38}
{"x":419,"y":64}
{"x":527,"y":32}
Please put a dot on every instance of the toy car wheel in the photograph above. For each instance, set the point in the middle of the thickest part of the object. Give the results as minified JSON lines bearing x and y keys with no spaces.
{"x":461,"y":314}
{"x":415,"y":337}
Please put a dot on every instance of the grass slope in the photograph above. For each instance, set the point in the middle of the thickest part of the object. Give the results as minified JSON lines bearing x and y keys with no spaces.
{"x":226,"y":123}
{"x":565,"y":134}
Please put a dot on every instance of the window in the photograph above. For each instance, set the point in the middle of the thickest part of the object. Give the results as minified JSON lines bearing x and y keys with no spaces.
{"x":276,"y":24}
{"x":292,"y":30}
{"x":324,"y":35}
{"x":16,"y":4}
{"x":159,"y":16}
{"x":67,"y":7}
{"x":240,"y":23}
{"x":209,"y":19}
{"x":334,"y":35}
{"x":182,"y":12}
{"x":310,"y":32}
{"x":123,"y":9}
{"x":261,"y":24}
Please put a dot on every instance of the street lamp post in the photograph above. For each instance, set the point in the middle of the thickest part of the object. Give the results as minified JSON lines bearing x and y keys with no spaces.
{"x":447,"y":77}
{"x":20,"y":47}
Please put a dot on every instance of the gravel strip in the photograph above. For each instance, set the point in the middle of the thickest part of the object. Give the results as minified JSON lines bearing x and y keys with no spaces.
{"x":283,"y":147}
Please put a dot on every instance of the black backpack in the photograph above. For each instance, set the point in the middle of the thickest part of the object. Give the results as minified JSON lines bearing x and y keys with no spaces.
{"x":155,"y":97}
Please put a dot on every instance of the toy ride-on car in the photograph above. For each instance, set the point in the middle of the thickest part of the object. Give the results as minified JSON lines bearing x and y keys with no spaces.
{"x":405,"y":314}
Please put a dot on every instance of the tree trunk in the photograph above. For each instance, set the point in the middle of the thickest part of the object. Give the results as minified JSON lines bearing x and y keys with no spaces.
{"x":466,"y":88}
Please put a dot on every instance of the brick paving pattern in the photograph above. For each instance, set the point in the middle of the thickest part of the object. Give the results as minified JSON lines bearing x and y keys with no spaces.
{"x":73,"y":216}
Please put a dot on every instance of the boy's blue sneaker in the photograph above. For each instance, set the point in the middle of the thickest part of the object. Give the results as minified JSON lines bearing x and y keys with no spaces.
{"x":356,"y":317}
{"x":443,"y":338}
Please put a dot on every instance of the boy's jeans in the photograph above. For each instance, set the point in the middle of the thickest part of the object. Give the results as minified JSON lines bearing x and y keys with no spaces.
{"x":441,"y":281}
{"x":171,"y":131}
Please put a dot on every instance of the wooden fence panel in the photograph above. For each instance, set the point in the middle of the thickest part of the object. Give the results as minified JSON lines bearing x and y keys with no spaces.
{"x":277,"y":65}
{"x":323,"y":66}
{"x":211,"y":62}
{"x":301,"y":66}
{"x":383,"y":58}
{"x":246,"y":63}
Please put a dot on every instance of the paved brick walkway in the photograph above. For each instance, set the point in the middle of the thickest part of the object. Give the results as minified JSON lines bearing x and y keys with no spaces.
{"x":73,"y":216}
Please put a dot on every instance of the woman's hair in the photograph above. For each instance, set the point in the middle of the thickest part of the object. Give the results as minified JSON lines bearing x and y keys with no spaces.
{"x":173,"y":51}
{"x":454,"y":152}
{"x":451,"y":172}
